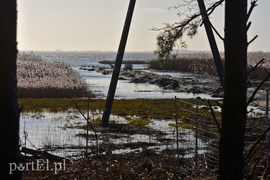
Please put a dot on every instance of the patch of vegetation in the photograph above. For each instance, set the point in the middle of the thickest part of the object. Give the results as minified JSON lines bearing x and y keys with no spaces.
{"x":203,"y":63}
{"x":96,"y":120}
{"x":139,"y":121}
{"x":182,"y":125}
{"x":144,"y":108}
{"x":183,"y":64}
{"x":40,"y":78}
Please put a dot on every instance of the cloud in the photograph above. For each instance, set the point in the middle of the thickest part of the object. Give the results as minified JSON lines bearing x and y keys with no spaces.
{"x":153,"y":10}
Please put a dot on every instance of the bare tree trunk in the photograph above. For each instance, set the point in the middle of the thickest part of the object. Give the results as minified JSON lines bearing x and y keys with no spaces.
{"x":212,"y":42}
{"x":9,"y":113}
{"x":231,"y":161}
{"x":118,"y":63}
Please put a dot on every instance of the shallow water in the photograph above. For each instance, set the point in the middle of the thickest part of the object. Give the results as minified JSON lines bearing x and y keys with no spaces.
{"x":53,"y":130}
{"x":99,"y":84}
{"x":49,"y":130}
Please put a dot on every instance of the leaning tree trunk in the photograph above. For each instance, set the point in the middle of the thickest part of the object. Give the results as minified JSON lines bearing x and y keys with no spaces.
{"x":9,"y":114}
{"x":231,"y":161}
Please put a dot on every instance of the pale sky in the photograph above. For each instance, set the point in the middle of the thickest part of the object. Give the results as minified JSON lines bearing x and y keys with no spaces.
{"x":82,"y":25}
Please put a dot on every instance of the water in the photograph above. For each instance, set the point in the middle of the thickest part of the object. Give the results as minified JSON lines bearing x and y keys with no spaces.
{"x":49,"y":130}
{"x":76,"y":59}
{"x":58,"y":134}
{"x":99,"y":83}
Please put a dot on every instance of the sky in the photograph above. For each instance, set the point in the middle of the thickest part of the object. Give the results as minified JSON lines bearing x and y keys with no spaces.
{"x":89,"y":25}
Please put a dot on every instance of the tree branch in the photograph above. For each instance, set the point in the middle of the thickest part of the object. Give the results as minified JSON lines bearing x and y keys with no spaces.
{"x":214,"y":116}
{"x":253,"y":39}
{"x":257,"y":89}
{"x":259,"y":64}
{"x":94,"y":130}
{"x":211,"y":9}
{"x":252,"y":149}
{"x":253,"y":5}
{"x":215,"y":30}
{"x":185,"y":22}
{"x":248,"y":25}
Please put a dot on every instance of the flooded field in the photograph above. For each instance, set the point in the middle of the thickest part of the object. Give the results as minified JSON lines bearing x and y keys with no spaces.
{"x":64,"y":134}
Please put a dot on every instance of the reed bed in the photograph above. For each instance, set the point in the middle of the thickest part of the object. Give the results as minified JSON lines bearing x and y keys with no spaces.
{"x":203,"y":63}
{"x":38,"y":78}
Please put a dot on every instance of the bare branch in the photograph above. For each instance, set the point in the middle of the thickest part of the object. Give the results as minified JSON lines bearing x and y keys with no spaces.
{"x":257,"y":89}
{"x":253,"y":5}
{"x":189,"y":19}
{"x":248,"y":25}
{"x":253,"y":39}
{"x":211,"y":9}
{"x":214,"y":116}
{"x":253,"y":148}
{"x":259,"y":64}
{"x":92,"y":127}
{"x":215,"y":30}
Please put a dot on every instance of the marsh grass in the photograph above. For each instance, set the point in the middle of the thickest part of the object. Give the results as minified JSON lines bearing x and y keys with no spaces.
{"x":39,"y":78}
{"x":141,"y":108}
{"x":188,"y":65}
{"x":203,"y":63}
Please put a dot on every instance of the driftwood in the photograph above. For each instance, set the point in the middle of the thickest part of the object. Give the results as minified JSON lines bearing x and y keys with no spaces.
{"x":41,"y":154}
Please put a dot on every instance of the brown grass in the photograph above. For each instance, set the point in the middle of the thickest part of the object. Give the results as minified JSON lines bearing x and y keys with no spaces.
{"x":203,"y":63}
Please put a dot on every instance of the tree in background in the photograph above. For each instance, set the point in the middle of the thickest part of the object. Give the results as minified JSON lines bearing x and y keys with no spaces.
{"x":9,"y":113}
{"x":166,"y":41}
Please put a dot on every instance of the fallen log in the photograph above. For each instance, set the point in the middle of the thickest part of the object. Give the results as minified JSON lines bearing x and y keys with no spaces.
{"x":41,"y":154}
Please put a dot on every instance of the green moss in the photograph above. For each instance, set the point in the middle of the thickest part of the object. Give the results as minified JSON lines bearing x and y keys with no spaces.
{"x":139,"y":121}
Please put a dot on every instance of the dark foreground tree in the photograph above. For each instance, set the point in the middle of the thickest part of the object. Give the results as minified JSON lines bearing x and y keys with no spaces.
{"x":234,"y":112}
{"x":9,"y":114}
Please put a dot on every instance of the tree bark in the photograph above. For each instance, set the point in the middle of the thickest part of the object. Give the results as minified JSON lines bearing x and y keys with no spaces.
{"x":234,"y":113}
{"x":9,"y":113}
